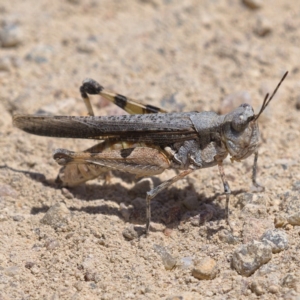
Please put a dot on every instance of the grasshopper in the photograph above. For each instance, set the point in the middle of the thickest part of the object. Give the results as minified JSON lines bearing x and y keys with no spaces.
{"x":149,"y":140}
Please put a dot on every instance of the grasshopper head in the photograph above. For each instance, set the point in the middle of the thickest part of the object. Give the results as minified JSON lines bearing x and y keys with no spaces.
{"x":240,"y":132}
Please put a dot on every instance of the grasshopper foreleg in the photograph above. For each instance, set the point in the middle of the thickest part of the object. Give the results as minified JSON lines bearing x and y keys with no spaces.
{"x":226,"y":190}
{"x":152,"y":193}
{"x":254,"y":173}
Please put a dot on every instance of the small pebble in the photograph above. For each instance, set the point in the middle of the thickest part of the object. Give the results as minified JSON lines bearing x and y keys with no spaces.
{"x":274,"y":289}
{"x":168,"y":260}
{"x":258,"y":286}
{"x":51,"y":244}
{"x":167,"y":231}
{"x":185,"y":262}
{"x":294,"y":219}
{"x":206,"y":269}
{"x":277,"y":239}
{"x":280,"y":221}
{"x":253,"y":4}
{"x":249,"y":257}
{"x":18,"y":218}
{"x":87,"y":47}
{"x":263,"y":27}
{"x":57,"y":216}
{"x":130,"y":233}
{"x":226,"y":236}
{"x":11,"y":36}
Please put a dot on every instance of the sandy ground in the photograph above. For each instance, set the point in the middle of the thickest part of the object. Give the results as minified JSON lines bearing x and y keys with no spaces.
{"x":179,"y":55}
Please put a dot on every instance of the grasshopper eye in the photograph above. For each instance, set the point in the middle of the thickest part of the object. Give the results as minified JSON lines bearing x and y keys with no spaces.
{"x":242,"y":117}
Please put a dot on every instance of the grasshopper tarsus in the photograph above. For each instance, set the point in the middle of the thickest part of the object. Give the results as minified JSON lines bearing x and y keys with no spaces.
{"x":149,"y":141}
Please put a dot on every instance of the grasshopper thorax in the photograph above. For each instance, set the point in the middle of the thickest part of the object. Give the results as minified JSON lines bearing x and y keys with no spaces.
{"x":240,"y":132}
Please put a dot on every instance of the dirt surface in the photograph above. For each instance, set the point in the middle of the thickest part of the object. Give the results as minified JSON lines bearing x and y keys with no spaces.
{"x":182,"y":56}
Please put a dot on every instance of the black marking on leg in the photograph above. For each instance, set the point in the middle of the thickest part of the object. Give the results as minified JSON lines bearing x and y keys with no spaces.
{"x":120,"y":100}
{"x":83,"y":93}
{"x":227,"y":188}
{"x":152,"y":109}
{"x":90,"y":86}
{"x":126,"y":152}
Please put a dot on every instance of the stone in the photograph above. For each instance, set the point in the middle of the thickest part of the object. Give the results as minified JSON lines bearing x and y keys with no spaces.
{"x":294,"y":219}
{"x":263,"y":27}
{"x":258,"y":286}
{"x":280,"y":221}
{"x":226,"y":236}
{"x":11,"y":36}
{"x":168,"y":260}
{"x":57,"y":216}
{"x":249,"y":257}
{"x":277,"y":239}
{"x":130,"y":233}
{"x":206,"y":269}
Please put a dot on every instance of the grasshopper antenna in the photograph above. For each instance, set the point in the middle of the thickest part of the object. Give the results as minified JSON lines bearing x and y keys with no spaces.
{"x":267,"y":100}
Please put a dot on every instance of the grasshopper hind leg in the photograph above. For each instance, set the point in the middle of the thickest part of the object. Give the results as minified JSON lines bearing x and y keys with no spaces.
{"x":131,"y":106}
{"x":74,"y":175}
{"x":71,"y":175}
{"x":152,"y":193}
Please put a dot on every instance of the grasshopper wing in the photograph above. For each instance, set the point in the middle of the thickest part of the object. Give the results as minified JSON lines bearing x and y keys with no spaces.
{"x":159,"y":128}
